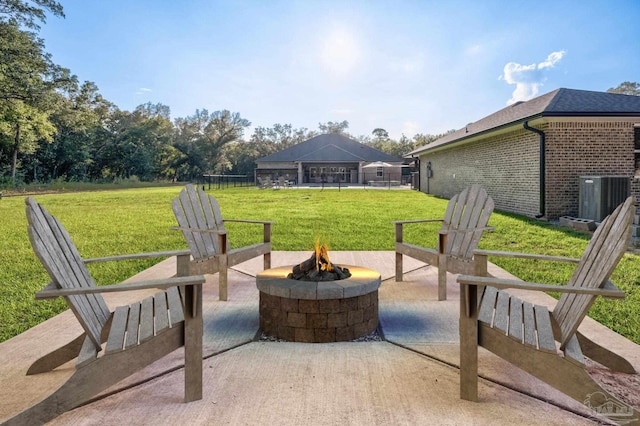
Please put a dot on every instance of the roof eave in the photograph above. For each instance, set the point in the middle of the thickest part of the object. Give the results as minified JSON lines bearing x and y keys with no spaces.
{"x":507,"y":126}
{"x":472,"y":136}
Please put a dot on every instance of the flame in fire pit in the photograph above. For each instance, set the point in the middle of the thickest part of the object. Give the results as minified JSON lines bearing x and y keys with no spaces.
{"x":322,"y":257}
{"x":318,"y":267}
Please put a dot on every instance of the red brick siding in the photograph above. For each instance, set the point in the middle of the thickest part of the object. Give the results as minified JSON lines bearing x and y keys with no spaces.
{"x":508,"y":165}
{"x":505,"y":165}
{"x":584,"y":149}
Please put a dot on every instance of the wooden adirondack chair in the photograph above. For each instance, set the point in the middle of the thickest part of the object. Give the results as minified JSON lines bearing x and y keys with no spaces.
{"x":202,"y":225}
{"x":264,"y":182}
{"x":526,"y":334}
{"x":135,"y":335}
{"x":464,"y":222}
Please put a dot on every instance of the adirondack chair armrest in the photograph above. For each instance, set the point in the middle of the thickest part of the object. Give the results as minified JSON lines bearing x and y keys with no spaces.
{"x":138,"y":256}
{"x":263,"y":222}
{"x":525,"y":256}
{"x":609,"y":290}
{"x":402,"y":222}
{"x":51,"y":291}
{"x":398,"y":225}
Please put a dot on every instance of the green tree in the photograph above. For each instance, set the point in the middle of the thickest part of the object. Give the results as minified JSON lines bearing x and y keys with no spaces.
{"x":380,"y":134}
{"x":28,"y":81}
{"x":202,"y":136}
{"x":338,"y":128}
{"x":81,"y":115}
{"x":134,"y":143}
{"x":27,"y":13}
{"x":27,"y":125}
{"x":281,"y":135}
{"x":626,"y":88}
{"x":420,"y":139}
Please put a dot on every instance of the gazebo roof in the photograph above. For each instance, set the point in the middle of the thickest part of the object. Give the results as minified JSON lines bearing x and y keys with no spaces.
{"x":329,"y":148}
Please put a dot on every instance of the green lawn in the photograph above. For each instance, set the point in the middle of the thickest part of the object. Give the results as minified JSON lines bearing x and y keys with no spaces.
{"x":139,"y":220}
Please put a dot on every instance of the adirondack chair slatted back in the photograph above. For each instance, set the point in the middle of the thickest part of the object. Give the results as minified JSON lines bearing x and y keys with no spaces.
{"x":196,"y":210}
{"x":57,"y":253}
{"x":606,"y":248}
{"x":470,"y":209}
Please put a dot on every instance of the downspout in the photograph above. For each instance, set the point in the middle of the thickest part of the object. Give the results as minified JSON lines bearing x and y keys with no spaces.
{"x":542,"y":167}
{"x":417,"y":161}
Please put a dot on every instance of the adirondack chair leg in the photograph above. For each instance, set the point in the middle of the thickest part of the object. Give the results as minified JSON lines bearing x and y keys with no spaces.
{"x":399,"y":267}
{"x":58,"y":357}
{"x":223,"y":278}
{"x":99,"y":375}
{"x":604,"y":356}
{"x":442,"y":268}
{"x":399,"y":237}
{"x":442,"y":277}
{"x":468,"y":343}
{"x":193,"y":343}
{"x":266,"y":237}
{"x":267,"y":261}
{"x":223,"y":264}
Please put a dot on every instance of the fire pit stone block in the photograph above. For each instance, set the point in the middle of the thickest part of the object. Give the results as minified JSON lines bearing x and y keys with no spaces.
{"x":318,"y":312}
{"x":330,"y":290}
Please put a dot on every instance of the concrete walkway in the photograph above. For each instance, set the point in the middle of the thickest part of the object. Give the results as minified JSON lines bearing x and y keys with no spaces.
{"x":411,"y":377}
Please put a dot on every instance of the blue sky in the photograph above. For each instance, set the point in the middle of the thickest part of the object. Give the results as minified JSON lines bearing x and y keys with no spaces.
{"x":406,"y":66}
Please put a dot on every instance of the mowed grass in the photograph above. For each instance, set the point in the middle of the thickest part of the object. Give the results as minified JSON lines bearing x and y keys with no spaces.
{"x":139,"y":220}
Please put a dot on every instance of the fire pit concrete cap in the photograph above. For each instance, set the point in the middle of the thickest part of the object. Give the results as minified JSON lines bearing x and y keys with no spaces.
{"x":275,"y":283}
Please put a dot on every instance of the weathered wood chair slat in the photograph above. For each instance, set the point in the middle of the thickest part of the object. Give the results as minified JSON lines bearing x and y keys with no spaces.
{"x":530,"y":337}
{"x":132,"y":330}
{"x":200,"y":220}
{"x":549,"y":347}
{"x":175,"y":306}
{"x":515,"y":319}
{"x":486,"y":310}
{"x":116,"y":341}
{"x":162,"y":313}
{"x":125,"y":352}
{"x":465,"y":220}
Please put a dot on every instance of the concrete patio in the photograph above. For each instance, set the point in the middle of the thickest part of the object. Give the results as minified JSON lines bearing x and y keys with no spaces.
{"x":409,"y":377}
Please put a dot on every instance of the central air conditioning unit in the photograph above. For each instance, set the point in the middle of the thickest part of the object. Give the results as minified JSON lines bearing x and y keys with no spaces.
{"x":600,"y":195}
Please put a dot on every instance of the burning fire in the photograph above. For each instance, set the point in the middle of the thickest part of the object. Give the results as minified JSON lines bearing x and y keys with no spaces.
{"x":318,"y":267}
{"x":322,"y":257}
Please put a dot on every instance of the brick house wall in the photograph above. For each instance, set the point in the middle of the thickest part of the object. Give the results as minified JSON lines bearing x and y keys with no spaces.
{"x":577,"y":149}
{"x":507,"y":165}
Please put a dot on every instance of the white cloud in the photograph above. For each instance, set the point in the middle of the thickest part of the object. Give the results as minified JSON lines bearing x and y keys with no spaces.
{"x":528,"y":78}
{"x":143,"y":90}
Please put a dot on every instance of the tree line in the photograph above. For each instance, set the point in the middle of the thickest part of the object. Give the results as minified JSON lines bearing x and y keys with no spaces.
{"x":53,"y":127}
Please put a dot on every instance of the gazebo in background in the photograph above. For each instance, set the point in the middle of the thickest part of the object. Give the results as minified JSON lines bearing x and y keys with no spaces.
{"x":330,"y":159}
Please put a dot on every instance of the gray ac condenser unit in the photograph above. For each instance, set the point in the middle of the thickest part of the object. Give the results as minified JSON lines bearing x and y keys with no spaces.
{"x":600,"y":195}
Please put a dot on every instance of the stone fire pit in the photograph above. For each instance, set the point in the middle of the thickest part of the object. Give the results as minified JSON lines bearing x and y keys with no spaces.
{"x":318,"y":312}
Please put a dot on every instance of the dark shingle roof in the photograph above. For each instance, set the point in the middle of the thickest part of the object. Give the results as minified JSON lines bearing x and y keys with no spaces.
{"x":329,"y":148}
{"x":558,"y":103}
